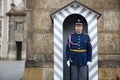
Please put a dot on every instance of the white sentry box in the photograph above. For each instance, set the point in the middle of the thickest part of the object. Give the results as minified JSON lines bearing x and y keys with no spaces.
{"x":58,"y":18}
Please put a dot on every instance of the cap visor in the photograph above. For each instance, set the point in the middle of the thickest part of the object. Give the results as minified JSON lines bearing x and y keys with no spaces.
{"x":78,"y":24}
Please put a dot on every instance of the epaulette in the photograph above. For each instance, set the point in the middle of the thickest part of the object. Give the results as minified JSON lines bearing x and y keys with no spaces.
{"x":86,"y":34}
{"x":71,"y":33}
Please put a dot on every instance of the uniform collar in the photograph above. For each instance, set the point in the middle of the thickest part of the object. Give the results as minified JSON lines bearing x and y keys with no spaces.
{"x":78,"y":33}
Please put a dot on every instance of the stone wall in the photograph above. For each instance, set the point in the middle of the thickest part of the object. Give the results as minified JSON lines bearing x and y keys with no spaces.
{"x":40,"y":35}
{"x":38,"y":74}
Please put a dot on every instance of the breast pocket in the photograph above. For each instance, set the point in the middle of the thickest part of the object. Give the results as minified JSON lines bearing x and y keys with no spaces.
{"x":74,"y":40}
{"x":74,"y":44}
{"x":84,"y":43}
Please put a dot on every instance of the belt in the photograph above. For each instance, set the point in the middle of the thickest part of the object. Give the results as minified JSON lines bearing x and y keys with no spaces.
{"x":76,"y":50}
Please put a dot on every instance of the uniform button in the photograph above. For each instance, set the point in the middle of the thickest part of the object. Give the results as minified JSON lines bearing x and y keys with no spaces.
{"x":78,"y":36}
{"x":78,"y":45}
{"x":78,"y":39}
{"x":78,"y":42}
{"x":78,"y":48}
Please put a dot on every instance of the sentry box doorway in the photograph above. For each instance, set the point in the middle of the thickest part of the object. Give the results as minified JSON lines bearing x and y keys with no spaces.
{"x":63,"y":25}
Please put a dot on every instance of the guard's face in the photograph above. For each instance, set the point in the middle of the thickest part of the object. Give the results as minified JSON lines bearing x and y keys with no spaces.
{"x":78,"y":28}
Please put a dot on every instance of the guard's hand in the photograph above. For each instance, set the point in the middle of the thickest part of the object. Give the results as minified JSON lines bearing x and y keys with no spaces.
{"x":68,"y":63}
{"x":89,"y":63}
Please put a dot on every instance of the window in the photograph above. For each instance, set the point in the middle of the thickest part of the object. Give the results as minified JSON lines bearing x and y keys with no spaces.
{"x":19,"y":26}
{"x":0,"y":28}
{"x":0,"y":7}
{"x":0,"y":47}
{"x":29,"y":4}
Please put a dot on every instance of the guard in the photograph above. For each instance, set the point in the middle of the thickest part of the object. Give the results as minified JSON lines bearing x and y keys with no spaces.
{"x":78,"y":52}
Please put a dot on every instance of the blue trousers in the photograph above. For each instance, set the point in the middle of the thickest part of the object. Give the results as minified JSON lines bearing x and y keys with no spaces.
{"x":79,"y":73}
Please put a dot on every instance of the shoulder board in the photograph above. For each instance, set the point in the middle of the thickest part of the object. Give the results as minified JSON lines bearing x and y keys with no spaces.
{"x":71,"y":33}
{"x":85,"y":34}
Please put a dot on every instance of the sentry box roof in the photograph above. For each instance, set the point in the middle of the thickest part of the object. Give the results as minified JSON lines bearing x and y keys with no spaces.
{"x":75,"y":7}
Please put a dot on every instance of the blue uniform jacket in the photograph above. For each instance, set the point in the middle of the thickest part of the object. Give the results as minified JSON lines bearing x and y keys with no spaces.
{"x":79,"y":42}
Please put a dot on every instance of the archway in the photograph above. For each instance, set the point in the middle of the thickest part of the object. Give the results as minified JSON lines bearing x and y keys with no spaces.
{"x":68,"y":27}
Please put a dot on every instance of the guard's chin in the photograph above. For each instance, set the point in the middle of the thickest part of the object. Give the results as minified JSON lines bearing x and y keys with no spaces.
{"x":79,"y":31}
